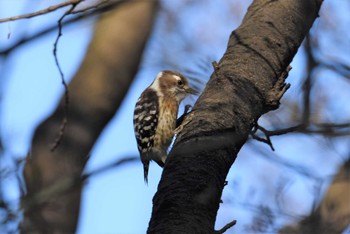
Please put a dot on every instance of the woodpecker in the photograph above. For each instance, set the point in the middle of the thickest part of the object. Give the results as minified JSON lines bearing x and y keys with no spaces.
{"x":155,"y":116}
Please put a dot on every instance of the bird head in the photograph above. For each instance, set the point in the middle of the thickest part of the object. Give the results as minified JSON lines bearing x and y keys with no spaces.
{"x":174,"y":84}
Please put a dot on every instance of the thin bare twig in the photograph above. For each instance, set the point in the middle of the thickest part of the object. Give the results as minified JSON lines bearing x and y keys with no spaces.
{"x":64,"y":83}
{"x":316,"y":128}
{"x":340,"y":69}
{"x":278,"y":159}
{"x":329,"y":129}
{"x":226,"y":227}
{"x":107,"y":167}
{"x":41,"y":12}
{"x":266,"y":140}
{"x":282,"y":131}
{"x":67,"y":183}
{"x":100,"y":4}
{"x":81,"y":14}
{"x":307,"y":86}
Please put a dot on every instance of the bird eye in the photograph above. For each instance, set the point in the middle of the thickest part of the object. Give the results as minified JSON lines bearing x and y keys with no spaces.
{"x":180,"y":82}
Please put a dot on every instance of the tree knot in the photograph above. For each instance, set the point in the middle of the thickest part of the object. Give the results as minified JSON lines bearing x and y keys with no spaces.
{"x":273,"y":96}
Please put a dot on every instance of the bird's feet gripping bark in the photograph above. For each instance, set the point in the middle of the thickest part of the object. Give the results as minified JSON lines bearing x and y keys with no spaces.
{"x":180,"y":121}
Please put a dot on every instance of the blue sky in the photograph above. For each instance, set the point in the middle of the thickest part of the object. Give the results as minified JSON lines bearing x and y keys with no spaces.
{"x":118,"y":201}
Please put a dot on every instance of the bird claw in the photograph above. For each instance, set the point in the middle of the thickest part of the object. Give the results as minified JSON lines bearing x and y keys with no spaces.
{"x":188,"y":119}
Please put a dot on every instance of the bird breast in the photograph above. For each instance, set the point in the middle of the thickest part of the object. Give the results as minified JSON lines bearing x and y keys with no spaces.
{"x":166,"y":123}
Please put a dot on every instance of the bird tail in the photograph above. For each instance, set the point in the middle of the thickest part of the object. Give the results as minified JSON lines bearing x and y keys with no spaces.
{"x":160,"y":162}
{"x":158,"y":157}
{"x":145,"y":171}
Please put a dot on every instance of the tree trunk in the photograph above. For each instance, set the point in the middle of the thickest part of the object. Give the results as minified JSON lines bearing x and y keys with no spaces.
{"x":52,"y":202}
{"x":246,"y":83}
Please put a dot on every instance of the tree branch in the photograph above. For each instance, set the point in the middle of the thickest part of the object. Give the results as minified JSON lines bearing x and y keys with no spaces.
{"x":63,"y":81}
{"x":237,"y":94}
{"x":82,"y":14}
{"x":226,"y":227}
{"x":41,"y":12}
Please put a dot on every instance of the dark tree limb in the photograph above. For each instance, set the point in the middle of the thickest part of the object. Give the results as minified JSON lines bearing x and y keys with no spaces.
{"x":96,"y":92}
{"x":258,"y":52}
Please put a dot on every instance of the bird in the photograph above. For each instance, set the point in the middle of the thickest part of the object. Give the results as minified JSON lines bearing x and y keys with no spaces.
{"x":155,"y":116}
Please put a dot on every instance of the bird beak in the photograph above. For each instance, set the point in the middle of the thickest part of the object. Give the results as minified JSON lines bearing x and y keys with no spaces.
{"x":191,"y":91}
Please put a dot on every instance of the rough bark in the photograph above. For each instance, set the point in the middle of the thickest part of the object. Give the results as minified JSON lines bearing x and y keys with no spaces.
{"x":52,"y":202}
{"x":333,"y":212}
{"x":246,"y":83}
